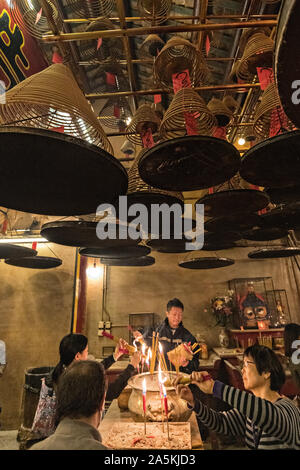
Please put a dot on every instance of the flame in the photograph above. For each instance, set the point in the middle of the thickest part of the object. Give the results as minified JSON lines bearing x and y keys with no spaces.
{"x":143,"y":349}
{"x":160,"y":348}
{"x":134,"y":344}
{"x":144,"y":387}
{"x":164,"y":390}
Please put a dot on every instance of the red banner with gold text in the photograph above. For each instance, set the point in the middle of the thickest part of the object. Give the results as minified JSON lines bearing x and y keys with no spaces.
{"x":20,"y":55}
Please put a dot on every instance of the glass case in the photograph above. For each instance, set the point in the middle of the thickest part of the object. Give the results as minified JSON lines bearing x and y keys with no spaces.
{"x":280,"y":307}
{"x":254,"y":302}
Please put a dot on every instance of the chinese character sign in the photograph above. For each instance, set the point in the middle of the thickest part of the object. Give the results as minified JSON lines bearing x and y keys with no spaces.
{"x":20,"y":55}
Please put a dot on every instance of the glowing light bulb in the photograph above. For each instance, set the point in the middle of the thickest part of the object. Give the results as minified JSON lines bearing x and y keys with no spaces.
{"x":94,"y":272}
{"x":241,"y":141}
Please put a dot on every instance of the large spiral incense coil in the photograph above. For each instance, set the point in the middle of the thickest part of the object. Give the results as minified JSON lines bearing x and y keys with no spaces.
{"x":33,"y":17}
{"x":142,"y":193}
{"x":90,"y":8}
{"x":186,"y":101}
{"x":176,"y":56}
{"x":258,"y":53}
{"x":239,"y":76}
{"x":222,"y":114}
{"x":231,"y":103}
{"x":263,"y":115}
{"x":108,"y":48}
{"x":144,"y":118}
{"x":151,"y":46}
{"x":51,"y":99}
{"x":235,"y":196}
{"x":116,"y":113}
{"x":155,"y":11}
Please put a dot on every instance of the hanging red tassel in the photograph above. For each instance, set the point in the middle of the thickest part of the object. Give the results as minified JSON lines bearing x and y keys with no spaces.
{"x":57,"y":58}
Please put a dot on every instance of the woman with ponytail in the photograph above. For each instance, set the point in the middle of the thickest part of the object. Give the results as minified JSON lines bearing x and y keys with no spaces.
{"x":73,"y":347}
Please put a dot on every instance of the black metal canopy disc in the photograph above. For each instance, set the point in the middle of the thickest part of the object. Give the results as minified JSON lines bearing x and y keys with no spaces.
{"x":141,"y":261}
{"x":284,"y":217}
{"x":169,"y":226}
{"x":119,"y":253}
{"x":45,"y":172}
{"x":234,"y":201}
{"x":284,"y":195}
{"x":206,"y":263}
{"x":221,"y":237}
{"x":265,"y":234}
{"x":169,"y":246}
{"x":273,"y":163}
{"x":217,"y":246}
{"x":35,"y":262}
{"x":238,"y":222}
{"x":287,"y":58}
{"x":148,"y":199}
{"x":189,"y":163}
{"x":84,"y":234}
{"x":266,"y":253}
{"x":8,"y":250}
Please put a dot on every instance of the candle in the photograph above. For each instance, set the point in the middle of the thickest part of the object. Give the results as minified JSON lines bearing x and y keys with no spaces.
{"x":166,"y":407}
{"x":144,"y":403}
{"x":160,"y":381}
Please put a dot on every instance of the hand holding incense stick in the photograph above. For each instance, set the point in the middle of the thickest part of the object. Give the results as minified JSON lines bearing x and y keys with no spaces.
{"x":115,"y":339}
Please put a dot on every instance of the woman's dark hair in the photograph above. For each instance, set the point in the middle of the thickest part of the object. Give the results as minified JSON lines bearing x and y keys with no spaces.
{"x":174,"y":303}
{"x":291,"y":333}
{"x":80,"y":390}
{"x":69,"y":346}
{"x":267,"y":361}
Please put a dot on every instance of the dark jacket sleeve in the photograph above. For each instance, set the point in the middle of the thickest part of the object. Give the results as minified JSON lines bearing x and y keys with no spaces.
{"x":108,"y":361}
{"x":115,"y":388}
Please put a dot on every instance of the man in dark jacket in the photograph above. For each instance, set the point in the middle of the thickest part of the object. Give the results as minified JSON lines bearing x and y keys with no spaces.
{"x":172,"y":333}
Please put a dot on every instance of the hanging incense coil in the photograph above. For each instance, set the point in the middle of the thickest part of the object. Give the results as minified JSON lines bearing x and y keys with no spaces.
{"x":110,"y":77}
{"x":177,"y":56}
{"x":233,"y":197}
{"x":132,"y":251}
{"x":144,"y":118}
{"x":116,"y":113}
{"x":197,"y":262}
{"x":35,"y":262}
{"x":8,"y":250}
{"x":222,"y":114}
{"x":90,"y":8}
{"x":187,"y":101}
{"x":107,"y":49}
{"x":151,"y":46}
{"x":287,"y":58}
{"x":140,"y":192}
{"x":247,"y":33}
{"x":258,"y":53}
{"x":33,"y":17}
{"x":154,"y":11}
{"x":231,"y":103}
{"x":189,"y":163}
{"x":51,"y":99}
{"x":274,"y":162}
{"x":267,"y":253}
{"x":270,"y":102}
{"x":265,"y":234}
{"x":130,"y":262}
{"x":243,"y":76}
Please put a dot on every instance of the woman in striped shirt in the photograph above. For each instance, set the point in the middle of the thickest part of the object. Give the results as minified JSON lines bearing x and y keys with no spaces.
{"x":266,"y":419}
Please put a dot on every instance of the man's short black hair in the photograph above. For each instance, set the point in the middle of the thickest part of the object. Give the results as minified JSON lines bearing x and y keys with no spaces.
{"x":174,"y":303}
{"x":80,"y":390}
{"x":267,"y":361}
